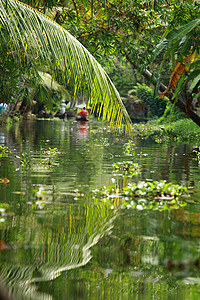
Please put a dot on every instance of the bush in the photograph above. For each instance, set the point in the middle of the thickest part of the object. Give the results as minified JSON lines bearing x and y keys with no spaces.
{"x":171,"y":114}
{"x":156,"y":105}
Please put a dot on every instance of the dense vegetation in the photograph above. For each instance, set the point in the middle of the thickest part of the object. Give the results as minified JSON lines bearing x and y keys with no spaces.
{"x":158,"y":39}
{"x":149,"y":49}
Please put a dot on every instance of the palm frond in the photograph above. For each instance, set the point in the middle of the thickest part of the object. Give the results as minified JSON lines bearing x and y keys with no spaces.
{"x":32,"y":35}
{"x":50,"y":83}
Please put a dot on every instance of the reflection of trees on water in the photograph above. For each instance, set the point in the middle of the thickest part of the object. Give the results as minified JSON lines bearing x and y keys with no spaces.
{"x":167,"y":162}
{"x":42,"y":244}
{"x":51,"y":244}
{"x":80,"y":162}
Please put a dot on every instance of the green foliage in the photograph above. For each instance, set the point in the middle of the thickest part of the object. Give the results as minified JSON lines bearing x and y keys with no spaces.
{"x":47,"y":158}
{"x":126,"y":168}
{"x":3,"y":151}
{"x":42,"y":95}
{"x":142,"y":32}
{"x":182,"y":43}
{"x":51,"y":152}
{"x":122,"y":76}
{"x":154,"y":195}
{"x":160,"y":190}
{"x":182,"y":13}
{"x":178,"y":35}
{"x":145,"y":130}
{"x":65,"y":58}
{"x":39,"y":195}
{"x":4,"y":211}
{"x":129,"y":148}
{"x":10,"y":74}
{"x":196,"y":150}
{"x":21,"y":83}
{"x":157,"y":195}
{"x":50,"y":156}
{"x":137,"y":31}
{"x":24,"y":159}
{"x":171,"y":114}
{"x":181,"y":131}
{"x":155,"y":105}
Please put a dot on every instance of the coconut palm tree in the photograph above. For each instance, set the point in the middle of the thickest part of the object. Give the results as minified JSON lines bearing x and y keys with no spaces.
{"x":31,"y":36}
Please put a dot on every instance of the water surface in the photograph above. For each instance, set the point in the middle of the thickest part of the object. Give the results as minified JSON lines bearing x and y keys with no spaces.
{"x":57,"y":245}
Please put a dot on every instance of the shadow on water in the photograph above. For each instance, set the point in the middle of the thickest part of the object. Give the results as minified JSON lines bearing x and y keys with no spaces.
{"x":55,"y":244}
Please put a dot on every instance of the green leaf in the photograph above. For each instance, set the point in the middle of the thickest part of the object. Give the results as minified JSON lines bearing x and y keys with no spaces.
{"x":194,"y":83}
{"x":174,"y":36}
{"x":41,"y":93}
{"x":195,"y":64}
{"x":185,"y":46}
{"x":198,"y":95}
{"x":191,"y":76}
{"x":178,"y":33}
{"x":157,"y":86}
{"x":179,"y":86}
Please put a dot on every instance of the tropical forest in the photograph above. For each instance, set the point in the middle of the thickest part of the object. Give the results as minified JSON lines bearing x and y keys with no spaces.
{"x":99,"y":149}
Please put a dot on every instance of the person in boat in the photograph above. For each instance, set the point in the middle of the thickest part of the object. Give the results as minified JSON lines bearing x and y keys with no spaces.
{"x":63,"y":107}
{"x":82,"y":115}
{"x":62,"y":113}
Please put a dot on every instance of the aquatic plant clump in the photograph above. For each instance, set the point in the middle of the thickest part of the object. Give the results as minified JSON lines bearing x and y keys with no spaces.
{"x":126,"y":168}
{"x":3,"y":151}
{"x":145,"y":131}
{"x":24,"y":159}
{"x":196,"y":151}
{"x":51,"y":151}
{"x":50,"y":156}
{"x":154,"y":195}
{"x":129,"y":148}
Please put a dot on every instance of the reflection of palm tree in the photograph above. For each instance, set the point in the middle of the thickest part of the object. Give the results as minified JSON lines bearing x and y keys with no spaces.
{"x":31,"y":35}
{"x":72,"y":251}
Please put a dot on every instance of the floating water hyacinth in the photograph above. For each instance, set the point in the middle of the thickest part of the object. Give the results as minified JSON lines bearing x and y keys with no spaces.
{"x":3,"y":151}
{"x":156,"y":189}
{"x":24,"y":159}
{"x":40,"y":193}
{"x":126,"y":168}
{"x":154,"y":195}
{"x":51,"y":151}
{"x":50,"y":157}
{"x":129,"y":148}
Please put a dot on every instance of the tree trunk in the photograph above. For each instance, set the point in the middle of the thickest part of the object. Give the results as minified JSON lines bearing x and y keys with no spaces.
{"x":179,"y":103}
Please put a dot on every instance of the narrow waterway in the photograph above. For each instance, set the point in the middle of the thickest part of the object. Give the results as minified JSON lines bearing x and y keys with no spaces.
{"x":56,"y":243}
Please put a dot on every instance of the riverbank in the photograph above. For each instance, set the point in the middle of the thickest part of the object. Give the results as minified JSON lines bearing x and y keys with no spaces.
{"x":182,"y":131}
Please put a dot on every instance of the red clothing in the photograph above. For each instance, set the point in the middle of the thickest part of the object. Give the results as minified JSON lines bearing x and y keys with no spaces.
{"x":83,"y":113}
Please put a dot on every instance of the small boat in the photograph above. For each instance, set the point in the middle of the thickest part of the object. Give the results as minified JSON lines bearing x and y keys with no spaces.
{"x":82,"y":119}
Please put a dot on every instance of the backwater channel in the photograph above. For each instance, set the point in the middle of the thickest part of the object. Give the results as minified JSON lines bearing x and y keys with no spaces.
{"x":57,"y":244}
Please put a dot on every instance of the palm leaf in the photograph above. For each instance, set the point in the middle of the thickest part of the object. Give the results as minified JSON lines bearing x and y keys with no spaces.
{"x":50,"y":83}
{"x":175,"y":36}
{"x":32,"y":35}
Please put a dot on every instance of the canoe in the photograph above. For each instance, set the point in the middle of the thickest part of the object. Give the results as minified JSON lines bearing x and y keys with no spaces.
{"x":82,"y":119}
